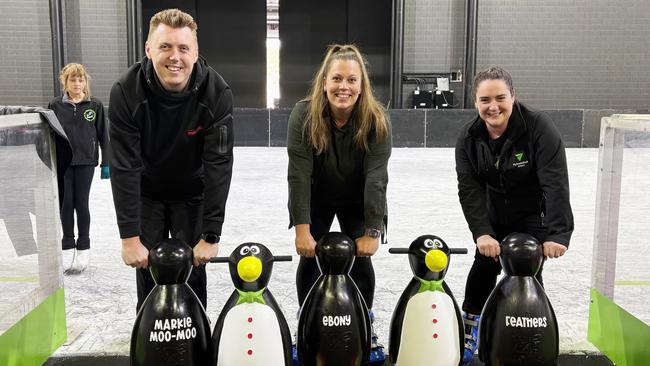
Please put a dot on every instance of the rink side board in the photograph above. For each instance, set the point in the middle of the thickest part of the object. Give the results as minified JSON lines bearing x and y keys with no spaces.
{"x":37,"y":335}
{"x":33,"y":321}
{"x":619,"y":335}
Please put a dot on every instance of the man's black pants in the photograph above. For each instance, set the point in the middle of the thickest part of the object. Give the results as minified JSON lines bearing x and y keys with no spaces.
{"x":180,"y":220}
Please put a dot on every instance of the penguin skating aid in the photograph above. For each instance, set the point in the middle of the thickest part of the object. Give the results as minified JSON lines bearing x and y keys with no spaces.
{"x":251,"y":328}
{"x":426,"y":327}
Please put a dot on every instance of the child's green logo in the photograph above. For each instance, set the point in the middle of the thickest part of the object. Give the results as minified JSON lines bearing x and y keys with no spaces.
{"x":90,"y":115}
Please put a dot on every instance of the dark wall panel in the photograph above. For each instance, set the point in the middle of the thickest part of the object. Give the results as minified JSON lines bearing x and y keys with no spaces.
{"x":232,"y":36}
{"x":308,"y":26}
{"x":414,"y":127}
{"x":251,"y":126}
{"x":279,"y":118}
{"x":444,"y":125}
{"x":407,"y":127}
{"x":569,"y":123}
{"x":369,"y":27}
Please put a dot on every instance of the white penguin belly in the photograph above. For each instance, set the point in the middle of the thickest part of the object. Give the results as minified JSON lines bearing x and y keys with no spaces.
{"x":429,"y":332}
{"x":251,"y":336}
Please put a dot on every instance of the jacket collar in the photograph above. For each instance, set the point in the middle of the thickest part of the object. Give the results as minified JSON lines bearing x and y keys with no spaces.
{"x":66,"y":98}
{"x":517,"y":125}
{"x":197,"y":78}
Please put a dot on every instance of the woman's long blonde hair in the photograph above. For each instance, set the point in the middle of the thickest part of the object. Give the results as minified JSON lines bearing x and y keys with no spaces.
{"x":369,"y":113}
{"x":74,"y":69}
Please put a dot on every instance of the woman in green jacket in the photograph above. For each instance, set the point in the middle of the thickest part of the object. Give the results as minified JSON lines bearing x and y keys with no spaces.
{"x":339,"y":142}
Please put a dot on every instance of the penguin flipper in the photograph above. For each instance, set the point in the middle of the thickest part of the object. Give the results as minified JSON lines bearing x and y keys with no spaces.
{"x":284,"y":327}
{"x":218,"y":327}
{"x":397,"y":320}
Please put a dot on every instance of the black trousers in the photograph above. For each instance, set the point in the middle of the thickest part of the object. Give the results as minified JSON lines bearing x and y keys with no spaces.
{"x":482,"y":277}
{"x":351,"y":221}
{"x":180,"y":220}
{"x":76,"y":183}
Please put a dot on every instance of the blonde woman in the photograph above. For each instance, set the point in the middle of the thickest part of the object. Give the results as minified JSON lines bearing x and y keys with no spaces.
{"x":339,"y":143}
{"x":82,"y":118}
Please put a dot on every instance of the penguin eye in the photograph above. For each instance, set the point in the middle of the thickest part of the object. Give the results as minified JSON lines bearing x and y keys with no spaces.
{"x":255,"y":249}
{"x":437,"y":243}
{"x":428,"y":243}
{"x":245,"y":250}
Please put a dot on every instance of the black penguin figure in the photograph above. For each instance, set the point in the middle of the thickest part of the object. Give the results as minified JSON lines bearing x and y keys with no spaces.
{"x":171,"y":327}
{"x":518,"y":325}
{"x":334,"y":325}
{"x":427,"y":328}
{"x":251,"y":329}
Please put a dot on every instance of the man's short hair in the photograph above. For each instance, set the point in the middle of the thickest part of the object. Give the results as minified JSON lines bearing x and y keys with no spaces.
{"x":173,"y":18}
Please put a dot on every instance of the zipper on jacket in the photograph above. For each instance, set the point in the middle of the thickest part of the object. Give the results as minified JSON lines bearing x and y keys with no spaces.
{"x":542,"y":210}
{"x":223,"y":139}
{"x":484,"y":156}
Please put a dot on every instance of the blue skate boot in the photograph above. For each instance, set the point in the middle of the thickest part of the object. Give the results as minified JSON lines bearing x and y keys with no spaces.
{"x":377,"y":354}
{"x":294,"y":355}
{"x":471,"y":337}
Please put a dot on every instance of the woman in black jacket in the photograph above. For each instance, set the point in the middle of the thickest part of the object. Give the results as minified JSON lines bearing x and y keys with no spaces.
{"x":512,"y":177}
{"x":83,"y":121}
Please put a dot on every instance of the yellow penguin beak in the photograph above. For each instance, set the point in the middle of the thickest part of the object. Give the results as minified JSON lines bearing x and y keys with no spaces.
{"x":436,"y":260}
{"x":249,"y":269}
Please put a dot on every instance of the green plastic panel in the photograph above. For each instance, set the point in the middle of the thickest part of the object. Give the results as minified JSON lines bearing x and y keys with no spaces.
{"x":619,"y":335}
{"x":36,"y":336}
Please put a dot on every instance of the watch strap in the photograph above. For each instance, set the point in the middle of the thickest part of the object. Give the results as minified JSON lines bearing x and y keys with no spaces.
{"x":210,"y":238}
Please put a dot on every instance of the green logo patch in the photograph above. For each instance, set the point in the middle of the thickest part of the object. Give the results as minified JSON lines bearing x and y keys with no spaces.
{"x":90,"y":115}
{"x":519,"y":156}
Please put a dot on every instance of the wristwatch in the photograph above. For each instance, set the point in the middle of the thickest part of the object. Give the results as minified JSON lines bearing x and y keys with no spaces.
{"x":210,"y":238}
{"x":373,"y":233}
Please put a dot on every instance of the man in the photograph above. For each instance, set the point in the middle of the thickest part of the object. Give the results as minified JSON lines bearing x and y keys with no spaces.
{"x":172,"y":135}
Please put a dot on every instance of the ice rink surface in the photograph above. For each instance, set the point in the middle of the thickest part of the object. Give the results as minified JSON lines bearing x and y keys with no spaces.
{"x":422,"y":199}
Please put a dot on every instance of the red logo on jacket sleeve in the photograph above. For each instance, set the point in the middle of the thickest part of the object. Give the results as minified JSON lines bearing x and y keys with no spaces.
{"x":194,"y":131}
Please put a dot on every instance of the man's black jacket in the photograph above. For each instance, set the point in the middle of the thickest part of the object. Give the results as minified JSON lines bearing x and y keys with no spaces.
{"x":170,"y":146}
{"x":528,"y":178}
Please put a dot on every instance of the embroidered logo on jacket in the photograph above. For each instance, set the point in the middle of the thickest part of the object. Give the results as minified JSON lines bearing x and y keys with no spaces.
{"x":90,"y":115}
{"x":194,"y":131}
{"x":520,"y":160}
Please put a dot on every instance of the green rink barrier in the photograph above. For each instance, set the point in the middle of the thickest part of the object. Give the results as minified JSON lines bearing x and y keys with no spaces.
{"x":37,"y":335}
{"x":619,"y":335}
